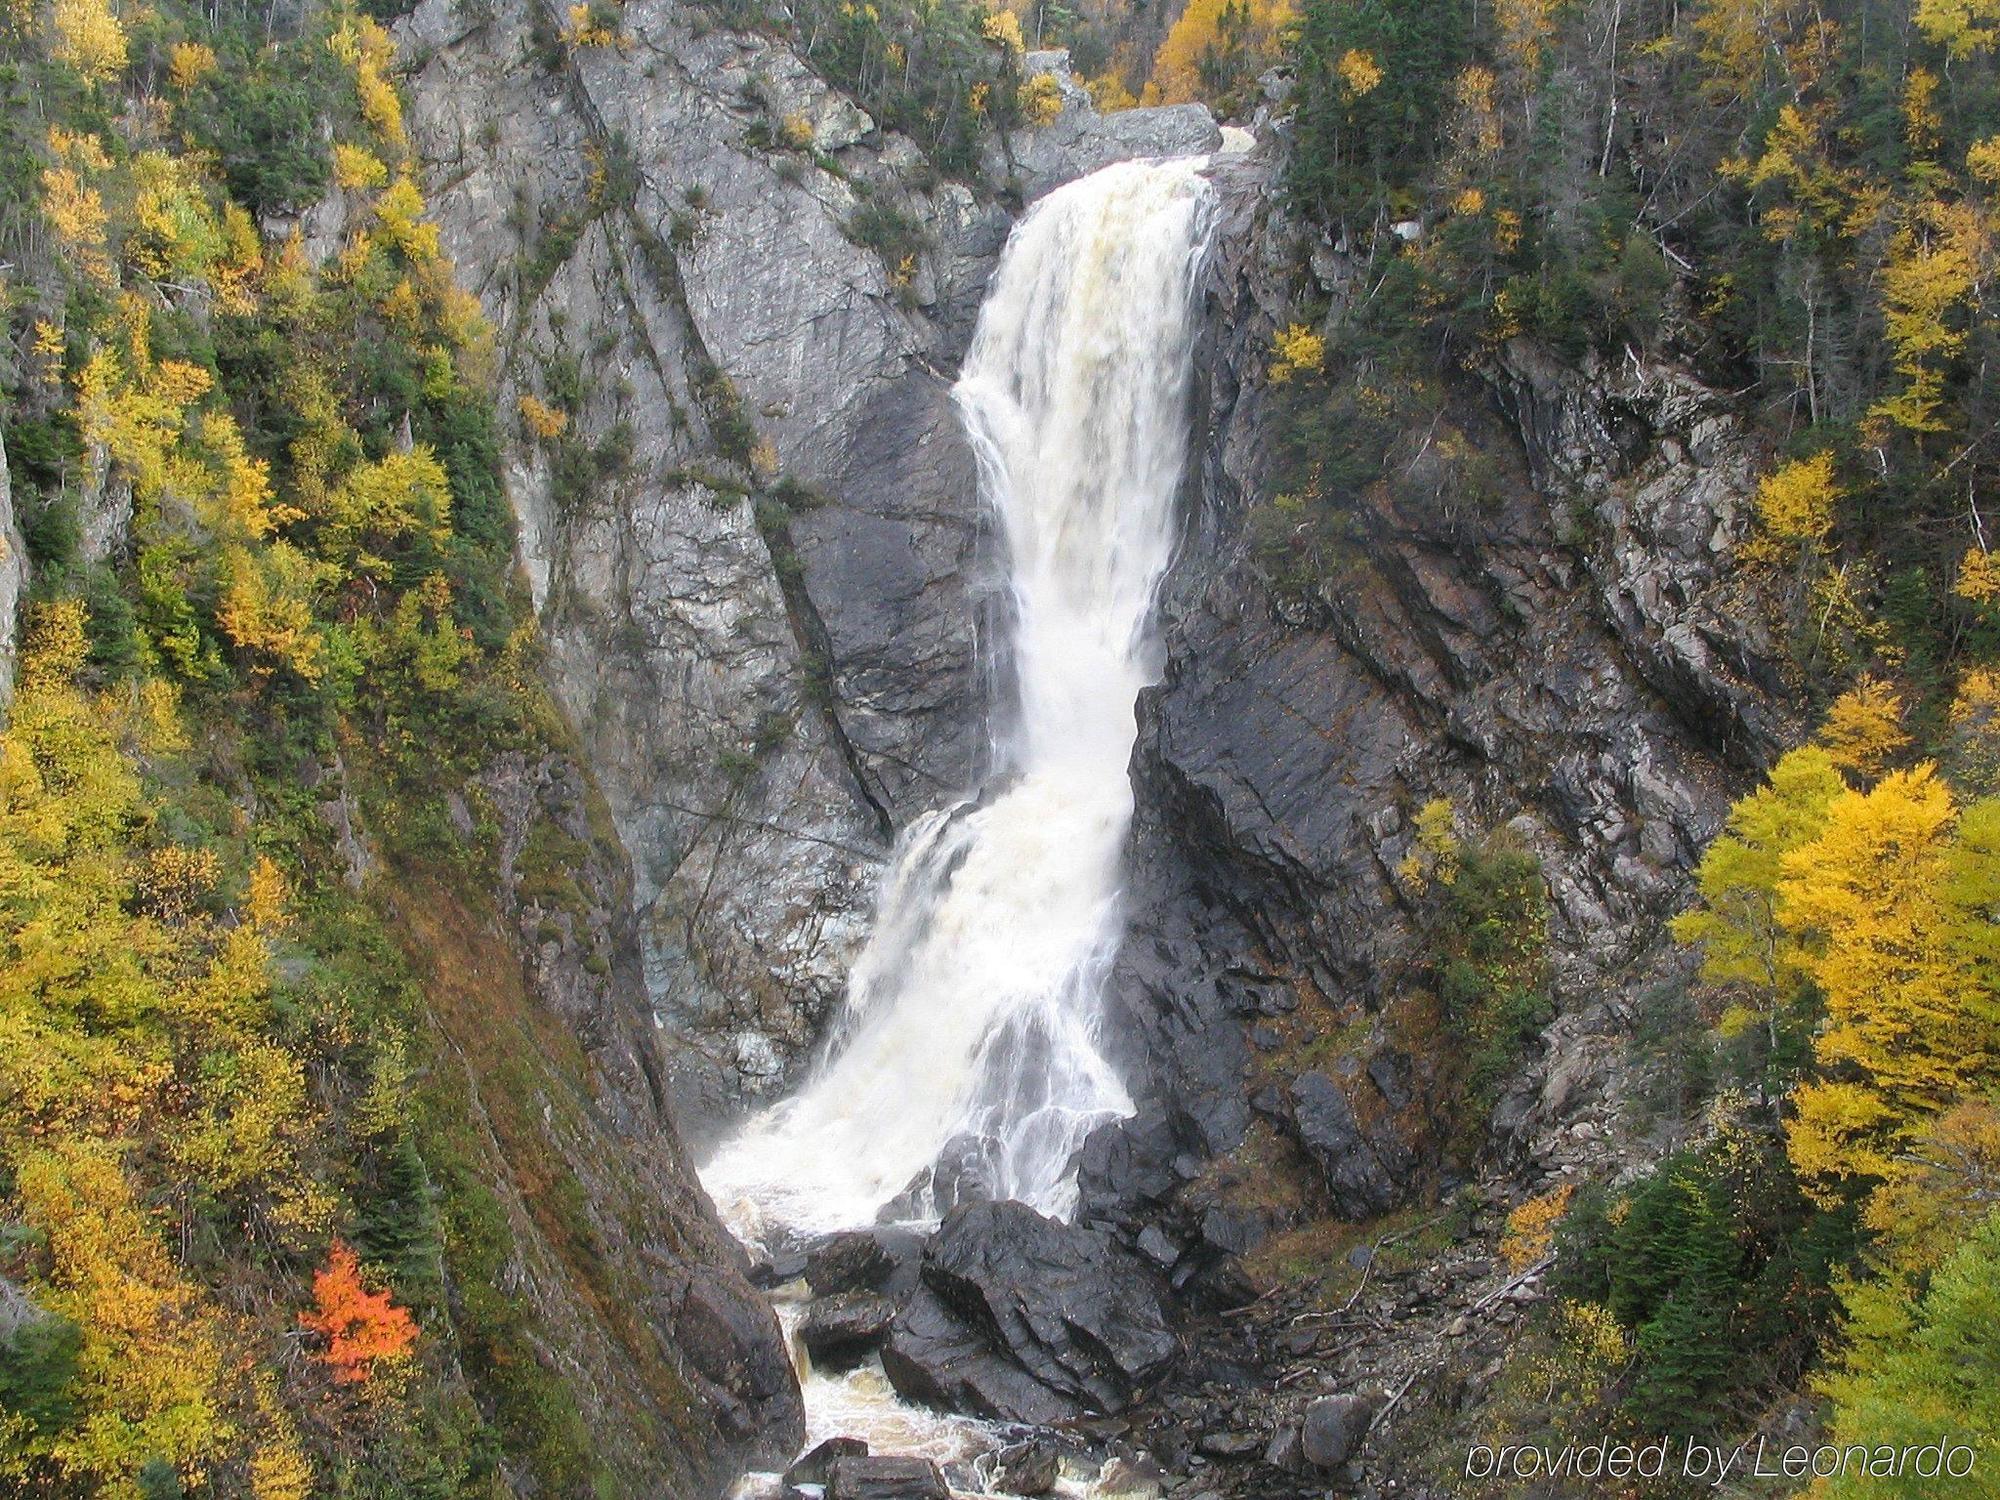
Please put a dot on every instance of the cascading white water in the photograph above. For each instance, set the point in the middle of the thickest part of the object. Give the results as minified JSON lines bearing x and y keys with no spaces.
{"x":973,"y":1010}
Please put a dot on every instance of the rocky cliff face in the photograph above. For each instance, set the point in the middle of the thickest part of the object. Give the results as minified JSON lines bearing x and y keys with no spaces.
{"x":1569,"y":656}
{"x":635,"y":1296}
{"x":755,"y":546}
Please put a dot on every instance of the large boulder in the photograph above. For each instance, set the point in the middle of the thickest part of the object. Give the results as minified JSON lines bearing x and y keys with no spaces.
{"x":1333,"y":1429}
{"x":1324,"y":1122}
{"x":1031,"y":1467}
{"x":885,"y":1479}
{"x":1024,"y":1319}
{"x":883,"y":1259}
{"x":817,"y":1464}
{"x":842,"y":1330}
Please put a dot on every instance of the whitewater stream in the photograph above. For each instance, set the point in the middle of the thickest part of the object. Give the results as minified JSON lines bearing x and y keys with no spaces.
{"x":972,"y":1025}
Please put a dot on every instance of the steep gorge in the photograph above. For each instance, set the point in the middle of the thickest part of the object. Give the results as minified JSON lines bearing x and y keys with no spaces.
{"x":764,"y":617}
{"x":730,"y":726}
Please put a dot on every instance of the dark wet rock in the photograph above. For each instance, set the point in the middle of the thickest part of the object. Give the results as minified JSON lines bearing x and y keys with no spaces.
{"x":1027,"y":1468}
{"x":885,"y":1478}
{"x":1156,"y":1247}
{"x":966,"y":1169}
{"x":1325,"y":1125}
{"x":774,"y":1271}
{"x":883,"y":1259}
{"x":1228,"y":1444}
{"x":1284,"y":1451}
{"x":725,"y":1334}
{"x":1126,"y":1163}
{"x":935,"y":1359}
{"x":1022,"y":1318}
{"x":965,"y":1172}
{"x":1559,"y":660}
{"x":1216,"y":1284}
{"x":1334,"y":1427}
{"x":1389,"y":1071}
{"x":813,"y":1466}
{"x":1233,"y":1231}
{"x":842,"y":1330}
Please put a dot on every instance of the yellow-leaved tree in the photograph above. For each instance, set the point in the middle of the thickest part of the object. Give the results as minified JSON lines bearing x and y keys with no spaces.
{"x":1864,"y":730}
{"x":1891,"y":902}
{"x":1795,"y":506}
{"x":1744,"y":943}
{"x":1214,"y":45}
{"x":1927,"y":289}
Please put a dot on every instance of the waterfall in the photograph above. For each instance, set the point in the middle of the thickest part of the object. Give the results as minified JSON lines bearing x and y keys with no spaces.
{"x":973,"y":1013}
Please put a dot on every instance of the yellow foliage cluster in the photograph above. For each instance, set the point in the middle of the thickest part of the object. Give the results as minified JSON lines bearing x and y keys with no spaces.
{"x":1108,"y":93}
{"x":1975,"y":731}
{"x":1736,"y":923}
{"x":1296,"y":348}
{"x":1436,"y":853}
{"x":1933,"y":268}
{"x":1525,"y":29}
{"x":1588,"y":1351}
{"x":171,"y":228}
{"x":1894,"y":892}
{"x":1795,"y":503}
{"x":1864,"y":730}
{"x":399,"y":213}
{"x":188,"y":64}
{"x":1039,"y":100}
{"x":796,"y":132}
{"x":356,"y":167}
{"x":1359,"y":73}
{"x":1880,"y":899}
{"x":1477,"y":91}
{"x":1531,"y":1227}
{"x":157,"y":1087}
{"x":90,"y":38}
{"x":1741,"y":39}
{"x":1922,"y":123}
{"x":1982,"y":159}
{"x":541,"y":419}
{"x":594,"y":25}
{"x":363,"y":46}
{"x":1003,"y":29}
{"x":76,"y":212}
{"x":1207,"y":33}
{"x":1979,"y":579}
{"x":134,"y":999}
{"x":1963,"y":27}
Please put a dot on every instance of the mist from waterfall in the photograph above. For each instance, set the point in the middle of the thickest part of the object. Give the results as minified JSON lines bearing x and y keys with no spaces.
{"x":973,"y":1012}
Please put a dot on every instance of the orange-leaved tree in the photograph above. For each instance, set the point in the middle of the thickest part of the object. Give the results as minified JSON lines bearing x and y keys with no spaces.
{"x":362,"y":1328}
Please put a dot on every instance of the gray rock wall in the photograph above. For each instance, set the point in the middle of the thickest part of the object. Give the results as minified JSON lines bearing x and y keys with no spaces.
{"x":1573,"y":658}
{"x":763,"y":621}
